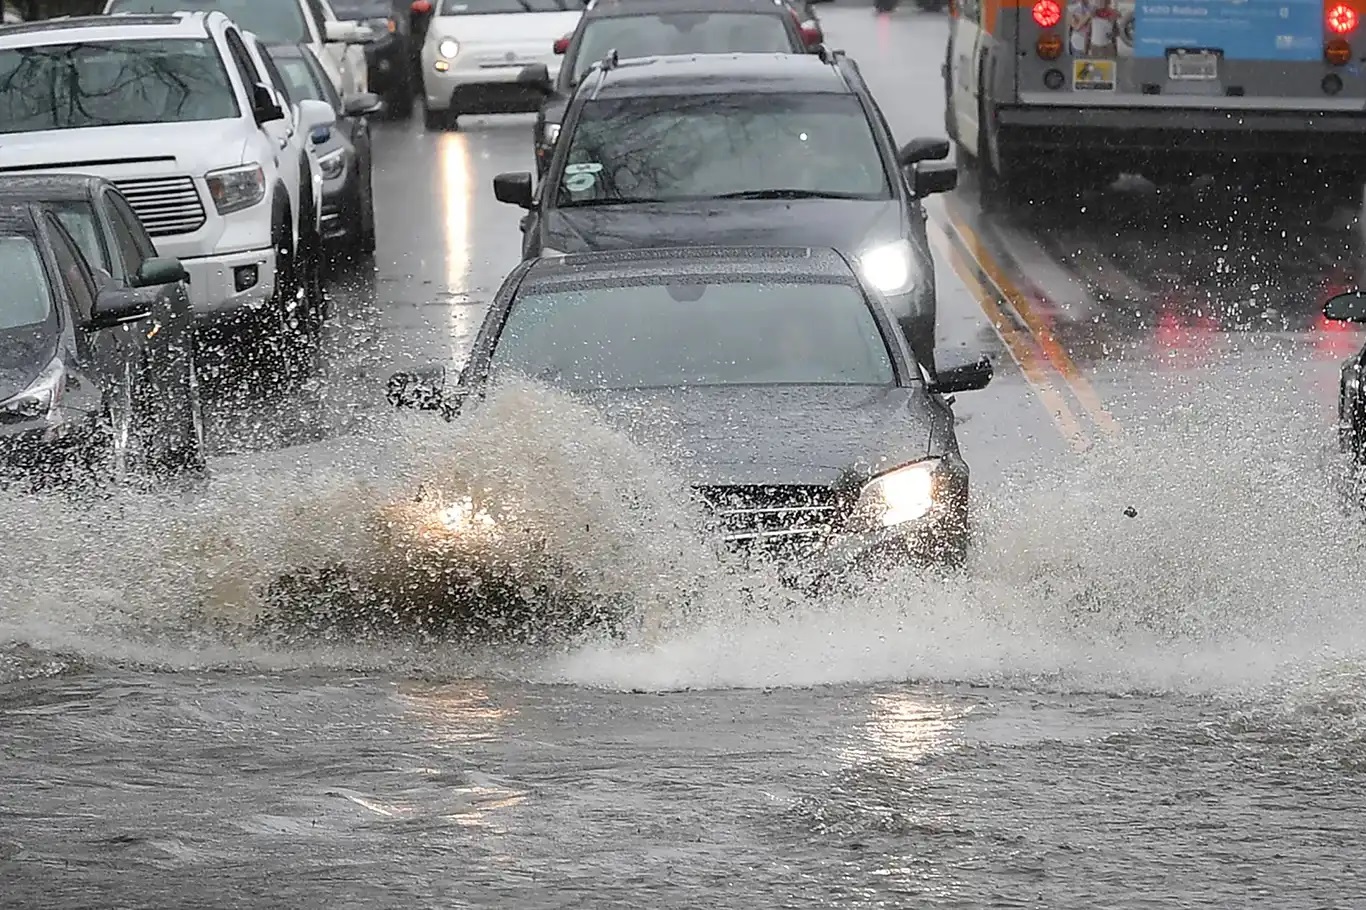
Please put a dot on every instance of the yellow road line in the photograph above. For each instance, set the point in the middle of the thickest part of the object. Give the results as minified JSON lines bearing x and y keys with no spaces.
{"x":1019,"y":302}
{"x":1017,"y":343}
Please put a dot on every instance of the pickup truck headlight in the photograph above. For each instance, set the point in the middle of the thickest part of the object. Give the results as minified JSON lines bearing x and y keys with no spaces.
{"x":236,"y":188}
{"x":333,"y":164}
{"x":891,"y":267}
{"x":902,"y":495}
{"x":448,"y":48}
{"x":41,"y":398}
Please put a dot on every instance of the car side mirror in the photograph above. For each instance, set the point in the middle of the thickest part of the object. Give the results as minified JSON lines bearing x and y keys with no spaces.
{"x":362,"y":105}
{"x":561,"y":46}
{"x":1348,"y":307}
{"x":812,"y":36}
{"x":264,"y":106}
{"x":922,"y":150}
{"x":537,"y":76}
{"x":115,"y":306}
{"x":514,"y":189}
{"x":316,"y":115}
{"x":338,"y":31}
{"x":930,"y":177}
{"x":423,"y":389}
{"x":967,"y":377}
{"x":159,"y":271}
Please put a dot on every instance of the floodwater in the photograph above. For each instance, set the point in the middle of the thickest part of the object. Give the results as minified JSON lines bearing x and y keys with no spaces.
{"x":1147,"y":690}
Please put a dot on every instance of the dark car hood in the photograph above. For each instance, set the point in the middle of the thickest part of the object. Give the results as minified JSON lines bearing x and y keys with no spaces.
{"x":800,"y":435}
{"x":844,"y":224}
{"x":23,"y":355}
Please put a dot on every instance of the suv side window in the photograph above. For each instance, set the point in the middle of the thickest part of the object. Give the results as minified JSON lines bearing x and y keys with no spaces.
{"x":125,"y":235}
{"x":75,"y":272}
{"x":276,"y":76}
{"x":245,"y":67}
{"x":319,"y":17}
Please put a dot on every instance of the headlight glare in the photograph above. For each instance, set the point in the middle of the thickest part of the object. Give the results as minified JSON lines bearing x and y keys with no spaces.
{"x":333,"y":164}
{"x":891,"y":268}
{"x":905,"y":494}
{"x":448,"y":48}
{"x":552,"y":132}
{"x":236,"y":188}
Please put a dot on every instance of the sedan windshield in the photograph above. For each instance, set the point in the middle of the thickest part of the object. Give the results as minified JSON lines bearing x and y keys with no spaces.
{"x":273,"y":21}
{"x":734,"y":333}
{"x":681,"y":148}
{"x":487,"y":7}
{"x":70,"y":86}
{"x":682,"y":33}
{"x":27,"y":299}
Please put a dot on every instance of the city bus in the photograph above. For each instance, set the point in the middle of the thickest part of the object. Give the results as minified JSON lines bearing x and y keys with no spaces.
{"x":1040,"y":90}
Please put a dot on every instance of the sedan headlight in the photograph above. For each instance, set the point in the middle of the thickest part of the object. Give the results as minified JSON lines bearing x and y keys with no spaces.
{"x":333,"y":164}
{"x":891,"y":268}
{"x":905,"y":494}
{"x":448,"y":48}
{"x":42,"y":396}
{"x":236,"y":188}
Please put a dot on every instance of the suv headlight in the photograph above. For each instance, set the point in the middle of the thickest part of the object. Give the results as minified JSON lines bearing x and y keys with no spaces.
{"x":448,"y":48}
{"x":333,"y":164}
{"x":42,"y":396}
{"x":236,"y":188}
{"x":902,"y":495}
{"x":891,"y":267}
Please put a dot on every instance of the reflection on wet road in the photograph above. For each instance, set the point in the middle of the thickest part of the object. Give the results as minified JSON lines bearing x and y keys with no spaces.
{"x":1147,"y":692}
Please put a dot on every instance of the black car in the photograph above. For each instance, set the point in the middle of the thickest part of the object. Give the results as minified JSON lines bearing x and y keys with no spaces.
{"x":1351,"y":307}
{"x":91,"y":377}
{"x":774,"y":381}
{"x":649,"y":28}
{"x":344,"y":151}
{"x":740,"y":149}
{"x":390,"y":58}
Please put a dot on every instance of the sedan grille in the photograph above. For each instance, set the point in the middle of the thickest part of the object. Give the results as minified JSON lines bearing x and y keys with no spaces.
{"x":781,"y":518}
{"x":166,"y":205}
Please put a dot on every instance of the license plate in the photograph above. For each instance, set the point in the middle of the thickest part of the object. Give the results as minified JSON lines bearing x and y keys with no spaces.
{"x":1193,"y":66}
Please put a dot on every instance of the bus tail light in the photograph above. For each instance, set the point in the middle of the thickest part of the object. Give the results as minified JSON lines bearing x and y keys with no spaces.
{"x":1340,"y":18}
{"x":1048,"y":13}
{"x":1337,"y":52}
{"x":1049,"y":46}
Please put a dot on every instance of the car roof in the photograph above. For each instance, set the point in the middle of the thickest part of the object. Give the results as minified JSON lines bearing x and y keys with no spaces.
{"x":689,"y":74}
{"x":693,"y":261}
{"x":613,"y":9}
{"x":135,"y":26}
{"x":49,"y":187}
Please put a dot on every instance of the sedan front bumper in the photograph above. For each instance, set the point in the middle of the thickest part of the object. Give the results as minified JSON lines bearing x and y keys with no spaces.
{"x":481,"y":90}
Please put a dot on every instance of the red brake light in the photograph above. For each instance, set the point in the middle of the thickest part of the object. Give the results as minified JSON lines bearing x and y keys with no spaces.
{"x":1340,"y":19}
{"x":1047,"y":13}
{"x":561,"y":45}
{"x":811,"y":34}
{"x":421,"y":7}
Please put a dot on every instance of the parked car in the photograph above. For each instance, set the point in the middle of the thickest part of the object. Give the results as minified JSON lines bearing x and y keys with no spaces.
{"x":84,"y":377}
{"x":344,"y":151}
{"x":177,"y":112}
{"x":390,"y":57}
{"x":338,"y":43}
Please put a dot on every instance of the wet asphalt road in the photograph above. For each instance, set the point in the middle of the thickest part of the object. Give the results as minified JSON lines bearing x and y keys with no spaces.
{"x":1163,"y":710}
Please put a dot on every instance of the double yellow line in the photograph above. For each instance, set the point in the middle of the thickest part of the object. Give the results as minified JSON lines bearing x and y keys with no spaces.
{"x":1060,"y":384}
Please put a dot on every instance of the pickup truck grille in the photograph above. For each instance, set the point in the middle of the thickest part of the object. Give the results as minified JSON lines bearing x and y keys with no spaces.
{"x":774,"y":518}
{"x":166,"y":205}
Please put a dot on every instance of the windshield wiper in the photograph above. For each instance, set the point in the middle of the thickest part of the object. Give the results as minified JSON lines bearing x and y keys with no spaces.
{"x":788,"y":194}
{"x":585,"y":203}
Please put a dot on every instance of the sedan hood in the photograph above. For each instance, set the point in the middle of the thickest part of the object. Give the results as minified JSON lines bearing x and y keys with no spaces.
{"x":845,"y":224}
{"x":798,"y":435}
{"x":182,"y":148}
{"x":23,"y":355}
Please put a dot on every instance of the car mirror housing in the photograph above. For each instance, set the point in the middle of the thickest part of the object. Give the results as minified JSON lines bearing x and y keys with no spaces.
{"x":514,"y":189}
{"x":159,"y":271}
{"x":1348,"y":307}
{"x":922,"y":150}
{"x":316,"y":115}
{"x":967,"y":377}
{"x":362,"y":105}
{"x":931,"y":177}
{"x":537,"y":76}
{"x":115,"y":306}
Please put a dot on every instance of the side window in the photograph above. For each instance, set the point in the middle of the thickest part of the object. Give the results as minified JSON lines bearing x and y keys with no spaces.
{"x":125,"y":238}
{"x":319,"y":15}
{"x":969,"y":10}
{"x":79,"y":220}
{"x":75,"y":273}
{"x":275,"y":75}
{"x":141,"y":240}
{"x":242,"y":60}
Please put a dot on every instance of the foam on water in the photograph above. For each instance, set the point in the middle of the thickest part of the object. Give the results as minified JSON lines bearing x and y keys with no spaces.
{"x":1240,"y":572}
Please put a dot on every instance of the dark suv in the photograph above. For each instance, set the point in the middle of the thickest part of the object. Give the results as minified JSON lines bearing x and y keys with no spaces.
{"x":735,"y":150}
{"x":649,"y":28}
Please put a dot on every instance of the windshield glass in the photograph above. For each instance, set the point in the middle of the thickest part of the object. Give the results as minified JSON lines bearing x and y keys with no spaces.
{"x":680,"y":148}
{"x":301,"y":84}
{"x":273,"y":21}
{"x":681,"y":33}
{"x":79,"y":220}
{"x":485,"y":7}
{"x":70,"y":86}
{"x":736,"y":333}
{"x":27,"y":299}
{"x":363,"y":9}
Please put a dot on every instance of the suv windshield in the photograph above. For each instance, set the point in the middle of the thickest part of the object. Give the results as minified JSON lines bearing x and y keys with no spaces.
{"x":682,"y":33}
{"x":485,"y":7}
{"x":70,"y":86}
{"x":27,"y":300}
{"x":679,"y":148}
{"x":734,"y":333}
{"x":273,"y":21}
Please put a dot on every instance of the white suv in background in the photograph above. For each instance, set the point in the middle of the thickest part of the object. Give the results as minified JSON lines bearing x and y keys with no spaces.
{"x":177,"y":112}
{"x":336,"y":42}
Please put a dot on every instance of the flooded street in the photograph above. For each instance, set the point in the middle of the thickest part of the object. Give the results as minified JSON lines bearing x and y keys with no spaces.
{"x":1147,"y":690}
